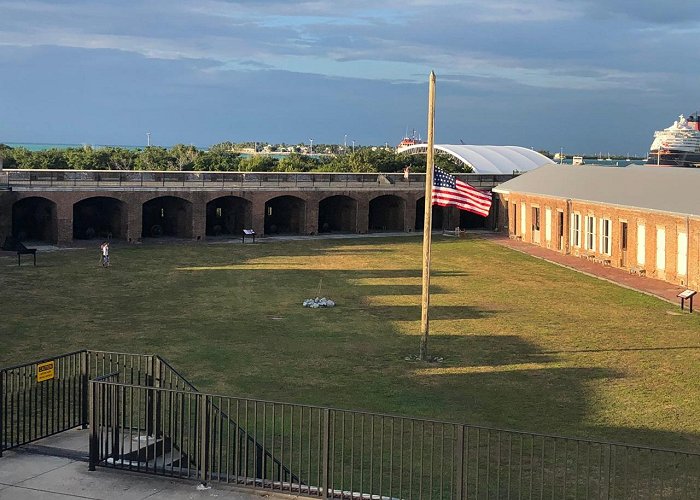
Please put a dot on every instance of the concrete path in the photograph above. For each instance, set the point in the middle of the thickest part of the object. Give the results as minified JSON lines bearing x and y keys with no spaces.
{"x":650,"y":286}
{"x":56,"y":468}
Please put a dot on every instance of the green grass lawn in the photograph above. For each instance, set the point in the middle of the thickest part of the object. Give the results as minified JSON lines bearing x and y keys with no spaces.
{"x":527,"y":345}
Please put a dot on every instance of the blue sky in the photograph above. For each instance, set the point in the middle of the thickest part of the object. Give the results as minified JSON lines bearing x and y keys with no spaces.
{"x":585,"y":75}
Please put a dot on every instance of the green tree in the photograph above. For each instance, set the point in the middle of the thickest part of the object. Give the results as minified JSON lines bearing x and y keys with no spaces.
{"x":258,"y":163}
{"x":122,"y":158}
{"x":155,"y":158}
{"x":296,"y":163}
{"x":226,"y":146}
{"x":221,"y":160}
{"x":185,"y":156}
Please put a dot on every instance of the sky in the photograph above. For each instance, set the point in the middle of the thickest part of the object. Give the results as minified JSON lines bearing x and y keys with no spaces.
{"x":585,"y":76}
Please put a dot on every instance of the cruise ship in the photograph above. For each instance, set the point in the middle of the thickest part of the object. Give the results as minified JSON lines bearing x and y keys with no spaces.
{"x":677,"y":145}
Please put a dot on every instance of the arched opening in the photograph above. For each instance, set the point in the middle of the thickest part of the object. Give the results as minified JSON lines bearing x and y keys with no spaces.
{"x":337,"y":214}
{"x":228,"y":215}
{"x":167,"y":216}
{"x":386,"y":213}
{"x":99,"y":217}
{"x":35,"y":219}
{"x":285,"y":215}
{"x":469,"y":220}
{"x":440,"y":216}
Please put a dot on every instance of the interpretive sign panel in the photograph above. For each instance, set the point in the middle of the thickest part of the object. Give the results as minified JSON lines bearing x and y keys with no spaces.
{"x":687,"y":294}
{"x":45,"y":371}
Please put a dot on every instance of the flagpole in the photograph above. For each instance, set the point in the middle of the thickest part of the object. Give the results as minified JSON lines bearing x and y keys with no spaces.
{"x":427,"y":223}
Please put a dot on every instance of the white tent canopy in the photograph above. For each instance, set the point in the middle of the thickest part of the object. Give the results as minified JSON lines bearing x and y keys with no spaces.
{"x":490,"y":159}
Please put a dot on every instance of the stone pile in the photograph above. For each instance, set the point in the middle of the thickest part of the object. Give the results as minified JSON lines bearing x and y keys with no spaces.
{"x":315,"y":303}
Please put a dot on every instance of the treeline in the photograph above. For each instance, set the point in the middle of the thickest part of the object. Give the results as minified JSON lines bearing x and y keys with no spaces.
{"x":219,"y":157}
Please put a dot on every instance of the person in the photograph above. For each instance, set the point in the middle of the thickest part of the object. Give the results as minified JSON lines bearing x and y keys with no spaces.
{"x":105,"y":254}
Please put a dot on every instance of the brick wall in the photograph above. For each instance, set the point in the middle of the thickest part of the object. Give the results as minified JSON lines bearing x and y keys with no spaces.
{"x":640,"y":254}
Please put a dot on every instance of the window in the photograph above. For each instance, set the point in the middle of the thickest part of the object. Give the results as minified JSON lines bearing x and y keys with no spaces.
{"x":523,"y":219}
{"x":218,"y":211}
{"x":590,"y":233}
{"x":548,"y":224}
{"x":605,"y":236}
{"x":535,"y":218}
{"x":576,"y":230}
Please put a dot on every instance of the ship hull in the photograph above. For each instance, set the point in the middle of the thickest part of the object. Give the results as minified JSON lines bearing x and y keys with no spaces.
{"x":673,"y":159}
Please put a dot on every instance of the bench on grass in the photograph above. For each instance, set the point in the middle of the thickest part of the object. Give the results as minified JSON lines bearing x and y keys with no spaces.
{"x":248,"y":232}
{"x":22,"y":250}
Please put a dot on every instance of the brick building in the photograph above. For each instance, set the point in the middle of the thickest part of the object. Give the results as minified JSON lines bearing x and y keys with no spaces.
{"x":644,"y":219}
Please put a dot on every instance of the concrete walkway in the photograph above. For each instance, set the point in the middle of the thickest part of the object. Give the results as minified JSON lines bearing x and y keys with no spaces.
{"x":56,"y":468}
{"x":650,"y":286}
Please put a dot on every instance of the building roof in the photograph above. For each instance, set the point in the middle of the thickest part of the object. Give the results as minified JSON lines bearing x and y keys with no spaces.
{"x":491,"y":159}
{"x":666,"y":189}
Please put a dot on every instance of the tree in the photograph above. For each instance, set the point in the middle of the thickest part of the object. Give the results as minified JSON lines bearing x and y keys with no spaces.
{"x":184,"y":156}
{"x":155,"y":158}
{"x":226,"y":146}
{"x":258,"y":163}
{"x":221,"y":160}
{"x":122,"y":158}
{"x":296,"y":163}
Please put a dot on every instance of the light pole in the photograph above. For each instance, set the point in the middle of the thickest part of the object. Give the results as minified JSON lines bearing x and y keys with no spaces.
{"x":148,"y":139}
{"x":311,"y":147}
{"x":345,"y":144}
{"x":353,"y":145}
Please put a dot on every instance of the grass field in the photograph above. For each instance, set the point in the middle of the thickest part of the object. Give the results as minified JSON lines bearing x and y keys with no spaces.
{"x":527,"y":345}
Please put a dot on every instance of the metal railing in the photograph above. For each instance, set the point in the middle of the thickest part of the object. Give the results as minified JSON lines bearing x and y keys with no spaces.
{"x":145,"y":416}
{"x":344,"y":454}
{"x":32,"y":409}
{"x":129,"y":179}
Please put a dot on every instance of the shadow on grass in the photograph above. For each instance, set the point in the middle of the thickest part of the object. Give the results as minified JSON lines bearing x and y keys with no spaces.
{"x":414,"y":290}
{"x":413,"y":313}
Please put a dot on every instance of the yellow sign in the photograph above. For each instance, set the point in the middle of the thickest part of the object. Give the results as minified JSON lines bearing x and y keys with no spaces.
{"x":45,"y":371}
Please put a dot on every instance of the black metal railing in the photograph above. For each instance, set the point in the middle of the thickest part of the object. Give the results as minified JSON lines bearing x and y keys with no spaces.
{"x":35,"y":404}
{"x":147,"y":417}
{"x":115,"y":179}
{"x":343,"y":454}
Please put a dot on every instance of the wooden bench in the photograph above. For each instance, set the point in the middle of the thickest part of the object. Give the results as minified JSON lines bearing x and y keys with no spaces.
{"x":22,"y":250}
{"x":248,"y":232}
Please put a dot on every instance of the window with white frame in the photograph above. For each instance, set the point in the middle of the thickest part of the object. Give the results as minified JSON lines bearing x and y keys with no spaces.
{"x":606,"y":236}
{"x":589,"y":242}
{"x":576,"y":229}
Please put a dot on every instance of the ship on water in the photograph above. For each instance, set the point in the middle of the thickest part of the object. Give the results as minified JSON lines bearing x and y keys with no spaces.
{"x":409,"y":141}
{"x":677,"y":145}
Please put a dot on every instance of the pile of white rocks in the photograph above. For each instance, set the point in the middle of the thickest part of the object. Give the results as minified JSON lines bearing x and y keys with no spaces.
{"x":315,"y":303}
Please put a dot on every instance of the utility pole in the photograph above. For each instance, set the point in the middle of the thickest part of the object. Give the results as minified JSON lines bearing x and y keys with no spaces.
{"x":353,"y":145}
{"x":311,"y":147}
{"x":148,"y":139}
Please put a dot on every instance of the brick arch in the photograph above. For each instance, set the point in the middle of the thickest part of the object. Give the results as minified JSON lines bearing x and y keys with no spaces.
{"x":228,"y":215}
{"x":440,"y":216}
{"x":285,"y":214}
{"x":387,"y":213}
{"x":103,"y":217}
{"x":35,"y":218}
{"x":167,"y":216}
{"x":337,"y":213}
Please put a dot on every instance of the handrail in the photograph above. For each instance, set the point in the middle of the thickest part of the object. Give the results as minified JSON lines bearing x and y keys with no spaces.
{"x":226,"y":417}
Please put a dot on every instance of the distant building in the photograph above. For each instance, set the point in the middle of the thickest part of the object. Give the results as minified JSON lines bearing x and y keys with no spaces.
{"x":643,"y":219}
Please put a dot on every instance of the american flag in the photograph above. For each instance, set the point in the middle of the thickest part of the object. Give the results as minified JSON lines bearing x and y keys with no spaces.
{"x":448,"y":190}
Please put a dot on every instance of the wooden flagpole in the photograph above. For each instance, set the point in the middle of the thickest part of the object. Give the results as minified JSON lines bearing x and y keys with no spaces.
{"x":427,"y":223}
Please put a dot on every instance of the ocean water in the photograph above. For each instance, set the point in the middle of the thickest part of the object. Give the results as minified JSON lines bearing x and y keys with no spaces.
{"x":36,"y":146}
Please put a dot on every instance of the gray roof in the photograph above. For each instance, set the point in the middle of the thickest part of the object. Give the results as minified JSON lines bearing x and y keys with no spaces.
{"x":491,"y":159}
{"x":666,"y":189}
